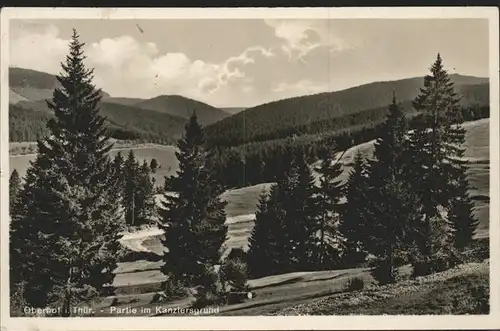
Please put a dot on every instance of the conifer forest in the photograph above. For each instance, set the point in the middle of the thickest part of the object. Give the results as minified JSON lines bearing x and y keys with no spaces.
{"x":369,"y":200}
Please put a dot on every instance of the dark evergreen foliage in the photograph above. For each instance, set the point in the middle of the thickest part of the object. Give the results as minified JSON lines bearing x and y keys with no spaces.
{"x":260,"y":162}
{"x":138,"y":191}
{"x":354,"y":219}
{"x":64,"y":239}
{"x":436,"y":148}
{"x":265,"y":254}
{"x":284,"y":238}
{"x":14,"y":187}
{"x":330,"y":191}
{"x":193,"y":214}
{"x":391,"y":208}
{"x":364,"y":105}
{"x":153,"y":165}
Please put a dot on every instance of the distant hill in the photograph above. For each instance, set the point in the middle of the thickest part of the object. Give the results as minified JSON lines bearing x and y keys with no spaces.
{"x":27,"y":122}
{"x":129,"y":118}
{"x":232,"y":110}
{"x":183,"y":107}
{"x":351,"y":107}
{"x":124,"y":101}
{"x":32,"y":85}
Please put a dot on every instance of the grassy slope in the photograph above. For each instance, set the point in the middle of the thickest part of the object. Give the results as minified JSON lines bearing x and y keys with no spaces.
{"x":455,"y":291}
{"x":324,"y":293}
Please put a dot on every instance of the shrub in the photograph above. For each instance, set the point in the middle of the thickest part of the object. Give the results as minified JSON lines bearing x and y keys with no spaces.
{"x":210,"y":290}
{"x":440,"y":261}
{"x":383,"y":272}
{"x":355,"y":284}
{"x":173,"y":289}
{"x":17,"y":303}
{"x":234,"y":272}
{"x":476,"y":252}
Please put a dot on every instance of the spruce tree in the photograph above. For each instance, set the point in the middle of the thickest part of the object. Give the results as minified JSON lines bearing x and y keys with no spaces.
{"x":146,"y":198}
{"x":265,"y":254}
{"x":461,"y":214}
{"x":65,"y":239}
{"x":153,"y":165}
{"x":329,"y":193}
{"x":436,"y":149}
{"x":390,"y":208}
{"x":131,"y":181}
{"x":354,"y":220}
{"x":284,"y":238}
{"x":302,"y":214}
{"x":391,"y":147}
{"x":14,"y":188}
{"x":193,"y":214}
{"x":392,"y":211}
{"x":118,"y":167}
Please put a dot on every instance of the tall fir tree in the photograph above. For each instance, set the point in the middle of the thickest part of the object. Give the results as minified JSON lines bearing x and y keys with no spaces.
{"x":284,"y":237}
{"x":118,"y":169}
{"x":302,"y":214}
{"x":461,"y":213}
{"x":390,"y":153}
{"x":193,"y":214}
{"x":265,"y":254}
{"x":138,"y":190}
{"x":392,"y":209}
{"x":146,"y":198}
{"x":329,"y":192}
{"x":14,"y":188}
{"x":353,"y":218}
{"x":153,"y":165}
{"x":436,"y":149}
{"x":131,"y":181}
{"x":65,"y":240}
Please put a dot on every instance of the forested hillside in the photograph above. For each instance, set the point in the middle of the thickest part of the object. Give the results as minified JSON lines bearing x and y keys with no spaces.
{"x":360,"y":105}
{"x":33,"y":85}
{"x":124,"y":122}
{"x":183,"y":107}
{"x":136,"y":119}
{"x":262,"y":161}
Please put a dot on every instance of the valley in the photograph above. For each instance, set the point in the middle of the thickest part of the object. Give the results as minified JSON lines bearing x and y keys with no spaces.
{"x":150,"y":127}
{"x":137,"y":281}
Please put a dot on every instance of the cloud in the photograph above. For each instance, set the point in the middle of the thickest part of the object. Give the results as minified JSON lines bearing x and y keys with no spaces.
{"x":40,"y":48}
{"x":301,"y":87}
{"x":300,"y":37}
{"x":126,"y":67}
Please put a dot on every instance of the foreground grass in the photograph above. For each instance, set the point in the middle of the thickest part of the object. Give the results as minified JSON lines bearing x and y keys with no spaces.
{"x":459,"y":291}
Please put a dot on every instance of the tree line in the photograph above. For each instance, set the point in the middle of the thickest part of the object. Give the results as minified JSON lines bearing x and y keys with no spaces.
{"x":359,"y":107}
{"x":261,"y":162}
{"x":388,"y":215}
{"x":68,"y":214}
{"x":123,"y":123}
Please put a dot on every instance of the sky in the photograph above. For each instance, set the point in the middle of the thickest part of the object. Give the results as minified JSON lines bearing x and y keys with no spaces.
{"x":246,"y":62}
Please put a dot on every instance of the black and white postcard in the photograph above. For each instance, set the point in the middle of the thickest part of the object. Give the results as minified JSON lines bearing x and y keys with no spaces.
{"x":249,"y":168}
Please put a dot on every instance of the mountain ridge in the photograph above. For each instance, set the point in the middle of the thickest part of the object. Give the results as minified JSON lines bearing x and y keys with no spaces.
{"x":265,"y":121}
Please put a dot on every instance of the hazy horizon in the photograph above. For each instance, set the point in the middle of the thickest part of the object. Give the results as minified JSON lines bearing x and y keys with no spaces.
{"x":298,"y":95}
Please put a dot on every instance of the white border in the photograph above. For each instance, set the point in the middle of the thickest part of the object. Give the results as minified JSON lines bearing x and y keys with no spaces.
{"x":491,"y":321}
